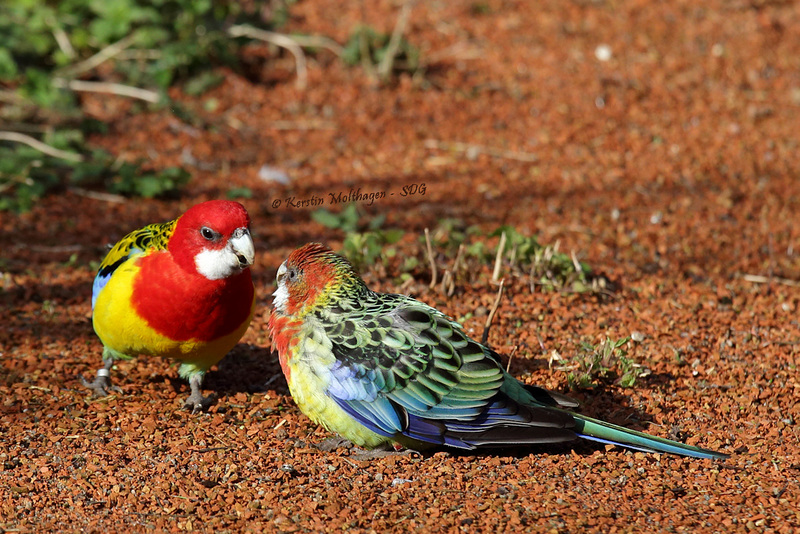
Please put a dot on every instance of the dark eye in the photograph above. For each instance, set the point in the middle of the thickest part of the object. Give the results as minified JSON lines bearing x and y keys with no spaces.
{"x":208,"y":233}
{"x":291,"y":274}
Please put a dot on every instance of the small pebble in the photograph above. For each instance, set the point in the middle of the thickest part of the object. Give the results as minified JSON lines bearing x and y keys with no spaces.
{"x":602,"y":52}
{"x":273,"y":174}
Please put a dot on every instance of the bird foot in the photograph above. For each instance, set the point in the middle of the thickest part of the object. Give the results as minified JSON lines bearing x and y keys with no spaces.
{"x":358,"y":454}
{"x":381,"y":453}
{"x":199,"y":403}
{"x":101,"y":385}
{"x":331,"y":444}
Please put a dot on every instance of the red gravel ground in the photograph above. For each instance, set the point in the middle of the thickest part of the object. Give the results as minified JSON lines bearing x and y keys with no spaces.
{"x":658,"y":141}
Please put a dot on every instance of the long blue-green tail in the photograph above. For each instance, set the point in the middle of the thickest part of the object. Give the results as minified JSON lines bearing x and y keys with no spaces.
{"x":597,"y":430}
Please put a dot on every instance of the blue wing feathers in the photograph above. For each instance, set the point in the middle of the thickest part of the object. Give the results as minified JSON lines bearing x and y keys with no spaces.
{"x":379,"y":416}
{"x":100,"y":282}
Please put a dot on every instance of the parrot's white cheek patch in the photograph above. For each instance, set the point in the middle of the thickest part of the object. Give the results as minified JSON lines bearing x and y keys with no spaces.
{"x":280,"y":297}
{"x":217,"y":264}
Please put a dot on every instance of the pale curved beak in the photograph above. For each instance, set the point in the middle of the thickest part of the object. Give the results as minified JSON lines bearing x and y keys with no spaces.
{"x":281,"y":295}
{"x":241,"y":244}
{"x":281,"y":273}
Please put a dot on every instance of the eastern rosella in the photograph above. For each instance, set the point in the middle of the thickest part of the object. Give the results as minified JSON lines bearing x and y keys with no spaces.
{"x":387,"y":370}
{"x":180,"y":289}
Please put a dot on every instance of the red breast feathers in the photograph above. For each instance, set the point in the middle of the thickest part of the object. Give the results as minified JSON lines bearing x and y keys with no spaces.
{"x":200,"y":287}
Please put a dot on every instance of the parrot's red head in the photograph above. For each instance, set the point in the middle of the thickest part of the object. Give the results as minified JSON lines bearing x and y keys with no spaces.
{"x":308,"y":278}
{"x":213,"y":239}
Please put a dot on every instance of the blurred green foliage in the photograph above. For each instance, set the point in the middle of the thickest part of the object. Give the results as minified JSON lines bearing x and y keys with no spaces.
{"x":153,"y":44}
{"x":362,"y":248}
{"x":367,"y":46}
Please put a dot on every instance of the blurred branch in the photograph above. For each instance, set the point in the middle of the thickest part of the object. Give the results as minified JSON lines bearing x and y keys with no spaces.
{"x":139,"y":54}
{"x":499,"y":258}
{"x":95,"y":60}
{"x":278,"y":39}
{"x":97,"y":195}
{"x":318,"y":41}
{"x":15,"y":137}
{"x":110,"y":88}
{"x":61,"y":38}
{"x":385,"y":66}
{"x":431,"y":259}
{"x":488,"y":324}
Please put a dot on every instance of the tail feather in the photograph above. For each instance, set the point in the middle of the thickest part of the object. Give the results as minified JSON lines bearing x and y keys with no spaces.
{"x":596,"y":430}
{"x":617,"y":443}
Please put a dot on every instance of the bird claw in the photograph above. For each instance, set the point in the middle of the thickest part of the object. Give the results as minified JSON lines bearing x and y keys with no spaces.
{"x":338,"y":442}
{"x":380,"y":453}
{"x":331,"y":444}
{"x":101,"y":385}
{"x":199,"y":403}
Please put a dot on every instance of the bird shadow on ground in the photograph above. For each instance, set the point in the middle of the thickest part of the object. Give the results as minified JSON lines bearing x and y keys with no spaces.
{"x":612,"y":404}
{"x":581,"y":447}
{"x":246,"y":369}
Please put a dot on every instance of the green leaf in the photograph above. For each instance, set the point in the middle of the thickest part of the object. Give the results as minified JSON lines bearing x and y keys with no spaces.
{"x":377,"y":222}
{"x":326,"y":218}
{"x":239,"y":192}
{"x":202,"y":82}
{"x":393,"y":236}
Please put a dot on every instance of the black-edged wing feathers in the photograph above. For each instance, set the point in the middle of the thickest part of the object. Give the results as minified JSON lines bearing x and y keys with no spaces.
{"x":153,"y":236}
{"x":403,"y":367}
